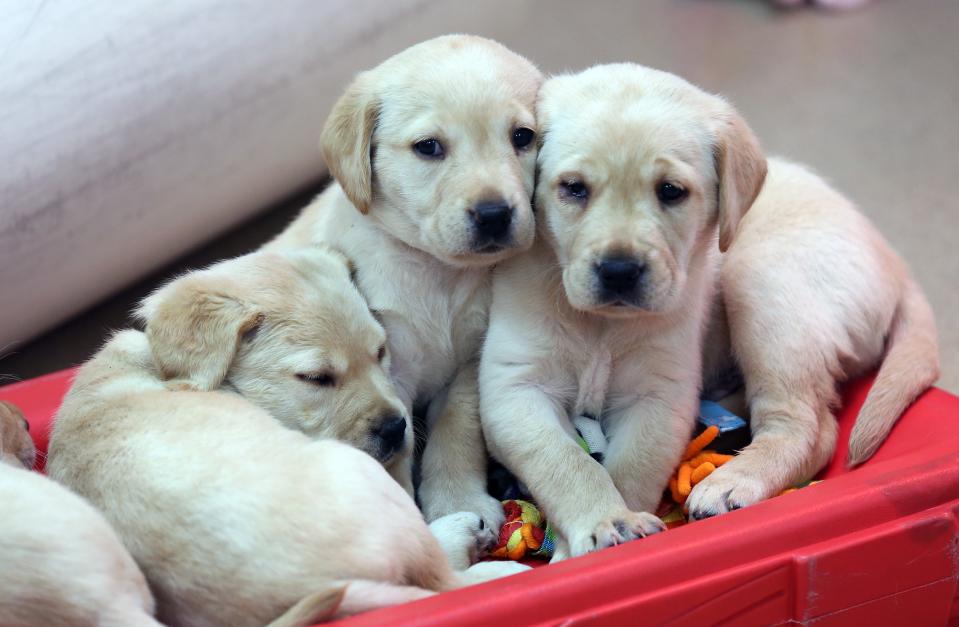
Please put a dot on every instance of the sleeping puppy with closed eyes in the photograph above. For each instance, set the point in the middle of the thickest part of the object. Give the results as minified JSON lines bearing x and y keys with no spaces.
{"x":218,"y":446}
{"x":641,"y":175}
{"x":60,"y":562}
{"x":433,"y":155}
{"x":312,"y":354}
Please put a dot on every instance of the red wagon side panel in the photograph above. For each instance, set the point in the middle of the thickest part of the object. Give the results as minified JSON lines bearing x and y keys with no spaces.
{"x":875,"y":546}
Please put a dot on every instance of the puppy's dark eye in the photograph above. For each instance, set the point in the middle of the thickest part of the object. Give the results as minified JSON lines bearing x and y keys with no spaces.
{"x":321,"y":379}
{"x":26,"y":425}
{"x":381,"y":353}
{"x":430,"y":148}
{"x":670,"y":194}
{"x":576,"y":190}
{"x":523,"y":137}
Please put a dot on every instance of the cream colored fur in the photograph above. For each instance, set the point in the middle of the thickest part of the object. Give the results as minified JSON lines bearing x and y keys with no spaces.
{"x":405,"y":222}
{"x":219,"y":466}
{"x":60,"y":562}
{"x":613,"y":134}
{"x":811,"y":293}
{"x":290,"y":332}
{"x":234,"y":518}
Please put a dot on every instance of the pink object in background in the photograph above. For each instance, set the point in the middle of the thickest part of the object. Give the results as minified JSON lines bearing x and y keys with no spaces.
{"x":837,"y":5}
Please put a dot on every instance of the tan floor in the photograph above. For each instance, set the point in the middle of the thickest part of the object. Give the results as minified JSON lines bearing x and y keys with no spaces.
{"x":870,"y":99}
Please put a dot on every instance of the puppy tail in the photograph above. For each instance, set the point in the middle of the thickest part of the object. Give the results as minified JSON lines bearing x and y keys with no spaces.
{"x":910,"y":367}
{"x":346,"y":598}
{"x":314,"y":608}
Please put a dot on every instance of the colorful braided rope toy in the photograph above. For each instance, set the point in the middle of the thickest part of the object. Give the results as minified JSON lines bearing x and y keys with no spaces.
{"x":523,"y":534}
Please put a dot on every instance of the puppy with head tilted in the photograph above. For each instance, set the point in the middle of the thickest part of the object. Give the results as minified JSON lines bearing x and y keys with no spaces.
{"x":606,"y":315}
{"x":60,"y":562}
{"x":433,"y":154}
{"x":641,"y":176}
{"x":216,"y":462}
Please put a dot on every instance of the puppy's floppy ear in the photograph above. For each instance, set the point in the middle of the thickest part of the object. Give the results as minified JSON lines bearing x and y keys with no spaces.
{"x":6,"y":407}
{"x":741,"y":170}
{"x":347,"y":139}
{"x":195,"y":325}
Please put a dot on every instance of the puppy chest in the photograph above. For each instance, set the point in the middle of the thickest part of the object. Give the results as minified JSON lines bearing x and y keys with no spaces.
{"x":429,"y":344}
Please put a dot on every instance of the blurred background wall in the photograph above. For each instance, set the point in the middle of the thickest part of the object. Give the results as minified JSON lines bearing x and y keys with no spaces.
{"x":132,"y":133}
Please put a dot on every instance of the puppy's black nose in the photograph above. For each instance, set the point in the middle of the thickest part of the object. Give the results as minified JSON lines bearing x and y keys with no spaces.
{"x":619,"y":275}
{"x":492,"y":219}
{"x":391,"y":432}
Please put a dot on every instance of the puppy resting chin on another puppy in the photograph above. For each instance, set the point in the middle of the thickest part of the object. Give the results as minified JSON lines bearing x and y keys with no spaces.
{"x":199,"y":442}
{"x":289,"y":332}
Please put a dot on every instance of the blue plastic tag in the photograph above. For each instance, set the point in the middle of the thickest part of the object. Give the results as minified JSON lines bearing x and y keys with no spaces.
{"x":711,"y":413}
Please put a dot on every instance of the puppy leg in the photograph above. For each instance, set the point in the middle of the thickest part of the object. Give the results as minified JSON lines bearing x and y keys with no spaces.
{"x":787,"y":447}
{"x":647,"y":439}
{"x":532,"y":436}
{"x":464,"y":537}
{"x":454,"y":461}
{"x":790,"y":389}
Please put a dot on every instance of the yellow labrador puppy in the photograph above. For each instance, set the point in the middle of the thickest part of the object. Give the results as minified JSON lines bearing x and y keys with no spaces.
{"x":235,"y":518}
{"x":641,"y":175}
{"x":60,"y":562}
{"x":433,"y":153}
{"x":813,"y":295}
{"x":290,"y":332}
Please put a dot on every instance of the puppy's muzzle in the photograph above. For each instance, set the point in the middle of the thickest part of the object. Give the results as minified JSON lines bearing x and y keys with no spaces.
{"x":619,"y":279}
{"x":390,"y":436}
{"x":492,"y":222}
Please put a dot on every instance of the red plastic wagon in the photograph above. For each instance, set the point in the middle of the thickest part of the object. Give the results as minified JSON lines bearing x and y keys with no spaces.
{"x":875,"y":546}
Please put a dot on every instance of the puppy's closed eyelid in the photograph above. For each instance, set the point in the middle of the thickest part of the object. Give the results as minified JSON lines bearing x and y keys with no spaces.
{"x":321,"y":379}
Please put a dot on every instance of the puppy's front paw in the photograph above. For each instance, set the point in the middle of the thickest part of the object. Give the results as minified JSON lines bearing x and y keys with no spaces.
{"x":464,"y":537}
{"x":480,"y":503}
{"x":619,"y":528}
{"x":489,"y":509}
{"x":723,"y":491}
